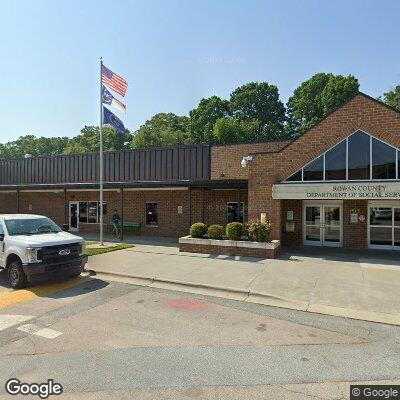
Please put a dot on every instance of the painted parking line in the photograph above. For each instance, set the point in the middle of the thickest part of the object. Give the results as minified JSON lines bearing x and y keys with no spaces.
{"x":38,"y":331}
{"x":8,"y":299}
{"x":7,"y":320}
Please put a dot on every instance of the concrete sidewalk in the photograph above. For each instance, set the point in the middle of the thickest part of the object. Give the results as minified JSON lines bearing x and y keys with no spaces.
{"x":357,"y":286}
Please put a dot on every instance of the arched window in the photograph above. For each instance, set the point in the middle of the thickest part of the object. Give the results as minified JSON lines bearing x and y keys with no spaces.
{"x":358,"y":157}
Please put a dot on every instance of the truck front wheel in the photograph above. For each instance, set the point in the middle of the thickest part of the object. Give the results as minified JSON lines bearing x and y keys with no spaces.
{"x":16,"y":275}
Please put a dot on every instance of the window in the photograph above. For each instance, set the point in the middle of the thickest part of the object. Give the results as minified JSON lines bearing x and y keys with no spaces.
{"x":383,"y":160}
{"x":89,"y":211}
{"x":315,"y":170}
{"x":151,"y":214}
{"x":297,"y":176}
{"x":335,"y":163}
{"x":92,"y":211}
{"x":235,"y":213}
{"x":358,"y":157}
{"x":83,"y":206}
{"x":31,"y":226}
{"x":384,"y":227}
{"x":104,"y":208}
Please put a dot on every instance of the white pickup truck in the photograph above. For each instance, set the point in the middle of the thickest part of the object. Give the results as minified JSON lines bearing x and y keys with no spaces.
{"x":33,"y":247}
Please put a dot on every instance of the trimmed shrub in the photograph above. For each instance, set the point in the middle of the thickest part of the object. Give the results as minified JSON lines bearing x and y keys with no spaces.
{"x":215,"y":232}
{"x":198,"y":230}
{"x":234,"y":230}
{"x":258,"y":231}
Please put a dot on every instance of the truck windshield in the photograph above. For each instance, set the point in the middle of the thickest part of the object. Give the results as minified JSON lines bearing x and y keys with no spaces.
{"x":31,"y":226}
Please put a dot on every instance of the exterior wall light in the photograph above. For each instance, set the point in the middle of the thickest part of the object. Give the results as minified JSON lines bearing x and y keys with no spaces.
{"x":245,"y":161}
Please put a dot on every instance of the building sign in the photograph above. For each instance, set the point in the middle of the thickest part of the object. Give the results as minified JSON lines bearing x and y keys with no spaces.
{"x":353,"y":218}
{"x":289,"y":226}
{"x":338,"y":191}
{"x":263,"y":217}
{"x":289,"y":215}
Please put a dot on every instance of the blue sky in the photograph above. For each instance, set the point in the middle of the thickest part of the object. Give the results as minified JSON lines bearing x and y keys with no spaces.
{"x":173,"y":53}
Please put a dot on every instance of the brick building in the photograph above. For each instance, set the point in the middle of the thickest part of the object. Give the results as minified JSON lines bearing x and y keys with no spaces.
{"x":337,"y":185}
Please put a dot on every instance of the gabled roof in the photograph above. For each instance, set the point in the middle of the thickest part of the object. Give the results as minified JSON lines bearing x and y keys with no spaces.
{"x":381,"y":103}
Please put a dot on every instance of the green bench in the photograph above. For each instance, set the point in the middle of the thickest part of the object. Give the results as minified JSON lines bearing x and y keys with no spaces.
{"x":131,"y":227}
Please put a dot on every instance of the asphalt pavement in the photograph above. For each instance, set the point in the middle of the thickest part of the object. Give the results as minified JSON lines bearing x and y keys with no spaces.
{"x":358,"y":285}
{"x":114,"y":340}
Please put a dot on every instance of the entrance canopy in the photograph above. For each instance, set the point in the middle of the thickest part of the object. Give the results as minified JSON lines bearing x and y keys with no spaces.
{"x":338,"y":191}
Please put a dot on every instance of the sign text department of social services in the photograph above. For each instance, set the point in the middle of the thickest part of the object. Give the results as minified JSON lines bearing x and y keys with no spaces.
{"x":356,"y":190}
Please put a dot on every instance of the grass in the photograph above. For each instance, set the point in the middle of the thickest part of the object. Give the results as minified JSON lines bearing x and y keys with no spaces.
{"x":100,"y":250}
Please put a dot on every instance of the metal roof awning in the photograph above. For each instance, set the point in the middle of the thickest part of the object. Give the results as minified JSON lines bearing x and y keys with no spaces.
{"x":209,"y":184}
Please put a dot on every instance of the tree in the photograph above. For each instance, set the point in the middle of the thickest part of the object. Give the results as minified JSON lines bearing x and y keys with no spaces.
{"x":30,"y":144}
{"x":392,"y":98}
{"x":89,"y":140}
{"x":163,"y":129}
{"x":259,"y":101}
{"x":203,"y":118}
{"x":315,"y":98}
{"x":231,"y":131}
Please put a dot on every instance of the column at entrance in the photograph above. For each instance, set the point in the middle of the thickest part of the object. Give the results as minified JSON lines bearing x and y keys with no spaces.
{"x":323,"y":224}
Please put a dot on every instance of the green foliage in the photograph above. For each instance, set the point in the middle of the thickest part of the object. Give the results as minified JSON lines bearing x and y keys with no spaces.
{"x":198,"y":230}
{"x":234,"y":230}
{"x":392,"y":98}
{"x":259,"y":101}
{"x":315,"y":98}
{"x":163,"y":129}
{"x":89,"y":140}
{"x":93,"y":251}
{"x":230,"y":131}
{"x":258,"y":231}
{"x":215,"y":232}
{"x":35,"y":146}
{"x":254,"y":113}
{"x":203,"y":118}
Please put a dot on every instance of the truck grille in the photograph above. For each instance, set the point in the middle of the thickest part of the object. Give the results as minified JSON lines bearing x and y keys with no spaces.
{"x":51,"y":254}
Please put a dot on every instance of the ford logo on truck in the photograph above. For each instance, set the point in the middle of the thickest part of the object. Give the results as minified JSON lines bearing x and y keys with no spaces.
{"x":64,"y":252}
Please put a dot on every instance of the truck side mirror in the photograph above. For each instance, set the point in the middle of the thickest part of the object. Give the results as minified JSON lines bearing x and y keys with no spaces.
{"x":1,"y":237}
{"x":65,"y":227}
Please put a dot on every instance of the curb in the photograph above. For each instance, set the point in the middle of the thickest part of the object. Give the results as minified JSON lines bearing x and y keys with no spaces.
{"x":250,"y":296}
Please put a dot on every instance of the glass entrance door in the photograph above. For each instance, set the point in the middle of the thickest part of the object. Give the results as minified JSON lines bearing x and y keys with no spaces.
{"x":73,"y":215}
{"x":323,"y":225}
{"x":332,"y":235}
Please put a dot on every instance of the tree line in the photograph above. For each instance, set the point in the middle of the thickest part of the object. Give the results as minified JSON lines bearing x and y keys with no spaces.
{"x":253,"y":113}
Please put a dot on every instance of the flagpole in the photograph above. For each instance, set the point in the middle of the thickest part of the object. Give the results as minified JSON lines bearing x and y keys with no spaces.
{"x":101,"y":159}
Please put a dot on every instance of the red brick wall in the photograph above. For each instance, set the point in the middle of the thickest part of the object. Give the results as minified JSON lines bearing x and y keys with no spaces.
{"x":216,"y":205}
{"x":267,"y":169}
{"x":292,"y":238}
{"x":170,"y":223}
{"x":355,"y":236}
{"x":225,"y":160}
{"x":8,"y":202}
{"x":50,"y":204}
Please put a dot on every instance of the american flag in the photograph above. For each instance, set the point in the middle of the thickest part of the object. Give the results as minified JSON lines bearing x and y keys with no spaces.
{"x":113,"y":81}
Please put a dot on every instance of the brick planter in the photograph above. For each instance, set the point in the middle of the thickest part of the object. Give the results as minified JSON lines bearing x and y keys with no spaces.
{"x":230,"y":247}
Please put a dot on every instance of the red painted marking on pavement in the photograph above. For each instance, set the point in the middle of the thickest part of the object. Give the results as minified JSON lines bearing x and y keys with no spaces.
{"x":188,"y":304}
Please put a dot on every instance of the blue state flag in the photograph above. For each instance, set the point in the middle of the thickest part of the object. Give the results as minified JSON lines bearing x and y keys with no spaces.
{"x":110,"y":119}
